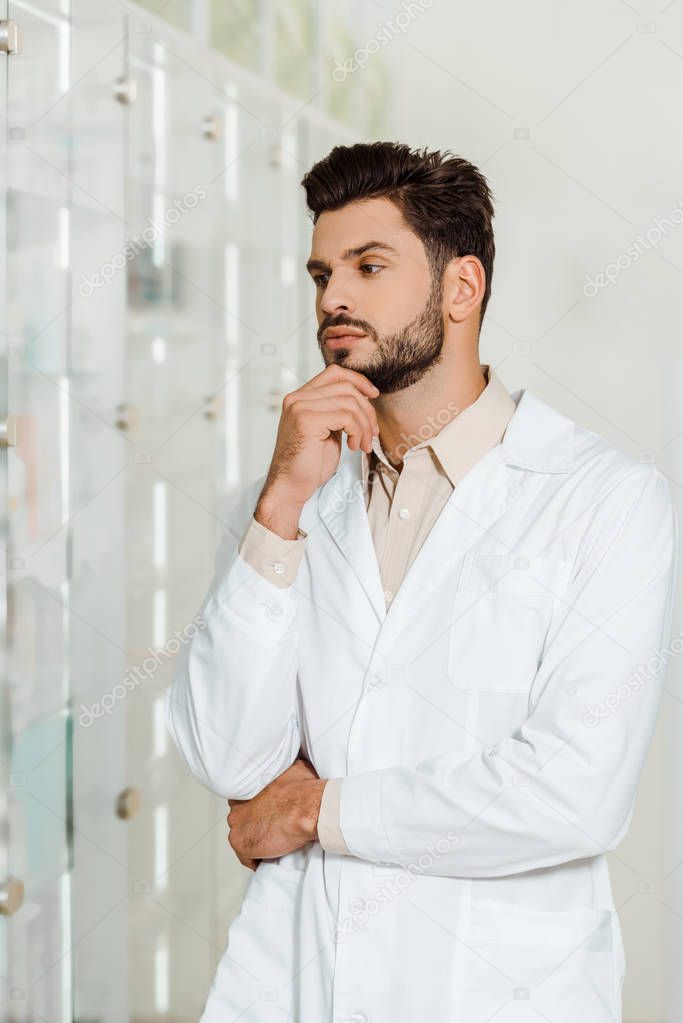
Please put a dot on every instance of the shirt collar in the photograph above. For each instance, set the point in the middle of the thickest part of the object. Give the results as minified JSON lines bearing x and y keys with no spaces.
{"x":467,"y":437}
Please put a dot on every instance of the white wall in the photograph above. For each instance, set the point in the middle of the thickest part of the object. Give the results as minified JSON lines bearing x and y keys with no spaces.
{"x":597,"y":90}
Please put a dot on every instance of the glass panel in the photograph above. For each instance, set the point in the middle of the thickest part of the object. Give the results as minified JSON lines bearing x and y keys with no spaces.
{"x":354,"y":67}
{"x":101,"y":453}
{"x":378,"y":98}
{"x":11,"y":858}
{"x":345,"y":82}
{"x":175,"y":373}
{"x":177,"y":12}
{"x":36,"y":300}
{"x":236,"y":30}
{"x":294,"y":47}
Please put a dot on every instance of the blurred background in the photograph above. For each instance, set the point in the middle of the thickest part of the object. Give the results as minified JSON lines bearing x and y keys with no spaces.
{"x":155,"y":309}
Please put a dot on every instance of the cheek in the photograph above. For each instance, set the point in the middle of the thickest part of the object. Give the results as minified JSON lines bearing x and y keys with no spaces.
{"x":397,"y":301}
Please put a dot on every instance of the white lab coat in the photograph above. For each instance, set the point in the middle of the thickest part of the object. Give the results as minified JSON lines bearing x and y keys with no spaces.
{"x":491,"y":728}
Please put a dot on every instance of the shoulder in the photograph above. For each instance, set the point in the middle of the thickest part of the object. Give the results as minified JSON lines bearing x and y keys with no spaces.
{"x":621,"y":479}
{"x":616,"y":494}
{"x":587,"y":458}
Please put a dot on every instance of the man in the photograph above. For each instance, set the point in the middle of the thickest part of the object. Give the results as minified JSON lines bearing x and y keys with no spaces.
{"x":418,"y":619}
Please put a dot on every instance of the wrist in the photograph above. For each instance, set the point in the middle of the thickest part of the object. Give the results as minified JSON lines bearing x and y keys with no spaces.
{"x":279,"y":515}
{"x":308,"y":808}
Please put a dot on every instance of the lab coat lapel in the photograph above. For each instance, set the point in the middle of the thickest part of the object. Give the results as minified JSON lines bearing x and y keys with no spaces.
{"x":476,"y":503}
{"x":341,"y":506}
{"x":481,"y":498}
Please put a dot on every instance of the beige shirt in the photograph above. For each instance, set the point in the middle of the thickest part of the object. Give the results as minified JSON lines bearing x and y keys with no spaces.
{"x":402,"y":507}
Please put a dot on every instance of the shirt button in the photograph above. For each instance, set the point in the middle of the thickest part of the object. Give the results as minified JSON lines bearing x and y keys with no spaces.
{"x":278,"y":567}
{"x":404,"y":513}
{"x":388,"y":595}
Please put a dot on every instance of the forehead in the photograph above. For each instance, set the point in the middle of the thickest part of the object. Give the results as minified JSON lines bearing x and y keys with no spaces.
{"x":359,"y":222}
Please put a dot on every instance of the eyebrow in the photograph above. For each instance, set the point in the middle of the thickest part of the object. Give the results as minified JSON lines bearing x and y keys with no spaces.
{"x":319,"y":264}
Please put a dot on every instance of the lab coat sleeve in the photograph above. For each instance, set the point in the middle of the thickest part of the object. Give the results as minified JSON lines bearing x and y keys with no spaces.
{"x":231,"y":708}
{"x":563,"y":785}
{"x":329,"y":832}
{"x":265,"y":551}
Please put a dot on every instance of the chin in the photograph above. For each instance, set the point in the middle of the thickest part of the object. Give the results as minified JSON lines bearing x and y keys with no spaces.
{"x":343,"y":356}
{"x":349,"y":355}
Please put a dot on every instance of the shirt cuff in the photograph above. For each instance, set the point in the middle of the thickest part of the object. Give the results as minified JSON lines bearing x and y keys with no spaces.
{"x":269,"y":554}
{"x":329,"y":830}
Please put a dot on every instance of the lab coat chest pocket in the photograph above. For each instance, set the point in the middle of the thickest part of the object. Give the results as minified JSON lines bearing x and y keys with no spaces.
{"x":502,"y":612}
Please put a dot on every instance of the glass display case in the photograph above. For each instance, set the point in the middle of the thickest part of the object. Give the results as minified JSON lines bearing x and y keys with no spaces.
{"x":156,"y":309}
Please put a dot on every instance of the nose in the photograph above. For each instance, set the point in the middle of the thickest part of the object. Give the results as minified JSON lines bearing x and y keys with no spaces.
{"x":338,"y":294}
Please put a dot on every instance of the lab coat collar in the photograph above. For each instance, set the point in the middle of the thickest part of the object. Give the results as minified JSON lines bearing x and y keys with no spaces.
{"x":538,"y":437}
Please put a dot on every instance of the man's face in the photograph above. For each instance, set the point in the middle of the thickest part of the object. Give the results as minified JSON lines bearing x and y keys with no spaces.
{"x":386,"y":291}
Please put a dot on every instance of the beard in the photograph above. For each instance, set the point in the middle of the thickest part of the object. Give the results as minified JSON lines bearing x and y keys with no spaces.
{"x":403,"y":358}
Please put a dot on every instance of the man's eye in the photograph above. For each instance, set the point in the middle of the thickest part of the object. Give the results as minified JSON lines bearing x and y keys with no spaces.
{"x":320,"y":280}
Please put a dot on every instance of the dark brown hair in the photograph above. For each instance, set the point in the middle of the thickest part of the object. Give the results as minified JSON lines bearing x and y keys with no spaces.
{"x":443,"y":198}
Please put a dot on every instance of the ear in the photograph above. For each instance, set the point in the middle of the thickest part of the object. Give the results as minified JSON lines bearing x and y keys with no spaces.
{"x":464,"y":287}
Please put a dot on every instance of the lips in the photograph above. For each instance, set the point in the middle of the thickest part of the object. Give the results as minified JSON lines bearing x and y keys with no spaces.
{"x":339,"y":340}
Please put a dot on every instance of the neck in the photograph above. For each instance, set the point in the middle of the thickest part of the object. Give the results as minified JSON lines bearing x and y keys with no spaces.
{"x":420,"y":411}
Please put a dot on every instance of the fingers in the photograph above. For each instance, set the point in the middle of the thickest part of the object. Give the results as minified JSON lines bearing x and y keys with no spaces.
{"x":345,"y":388}
{"x":323,"y":415}
{"x":334,"y":392}
{"x":246,"y":861}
